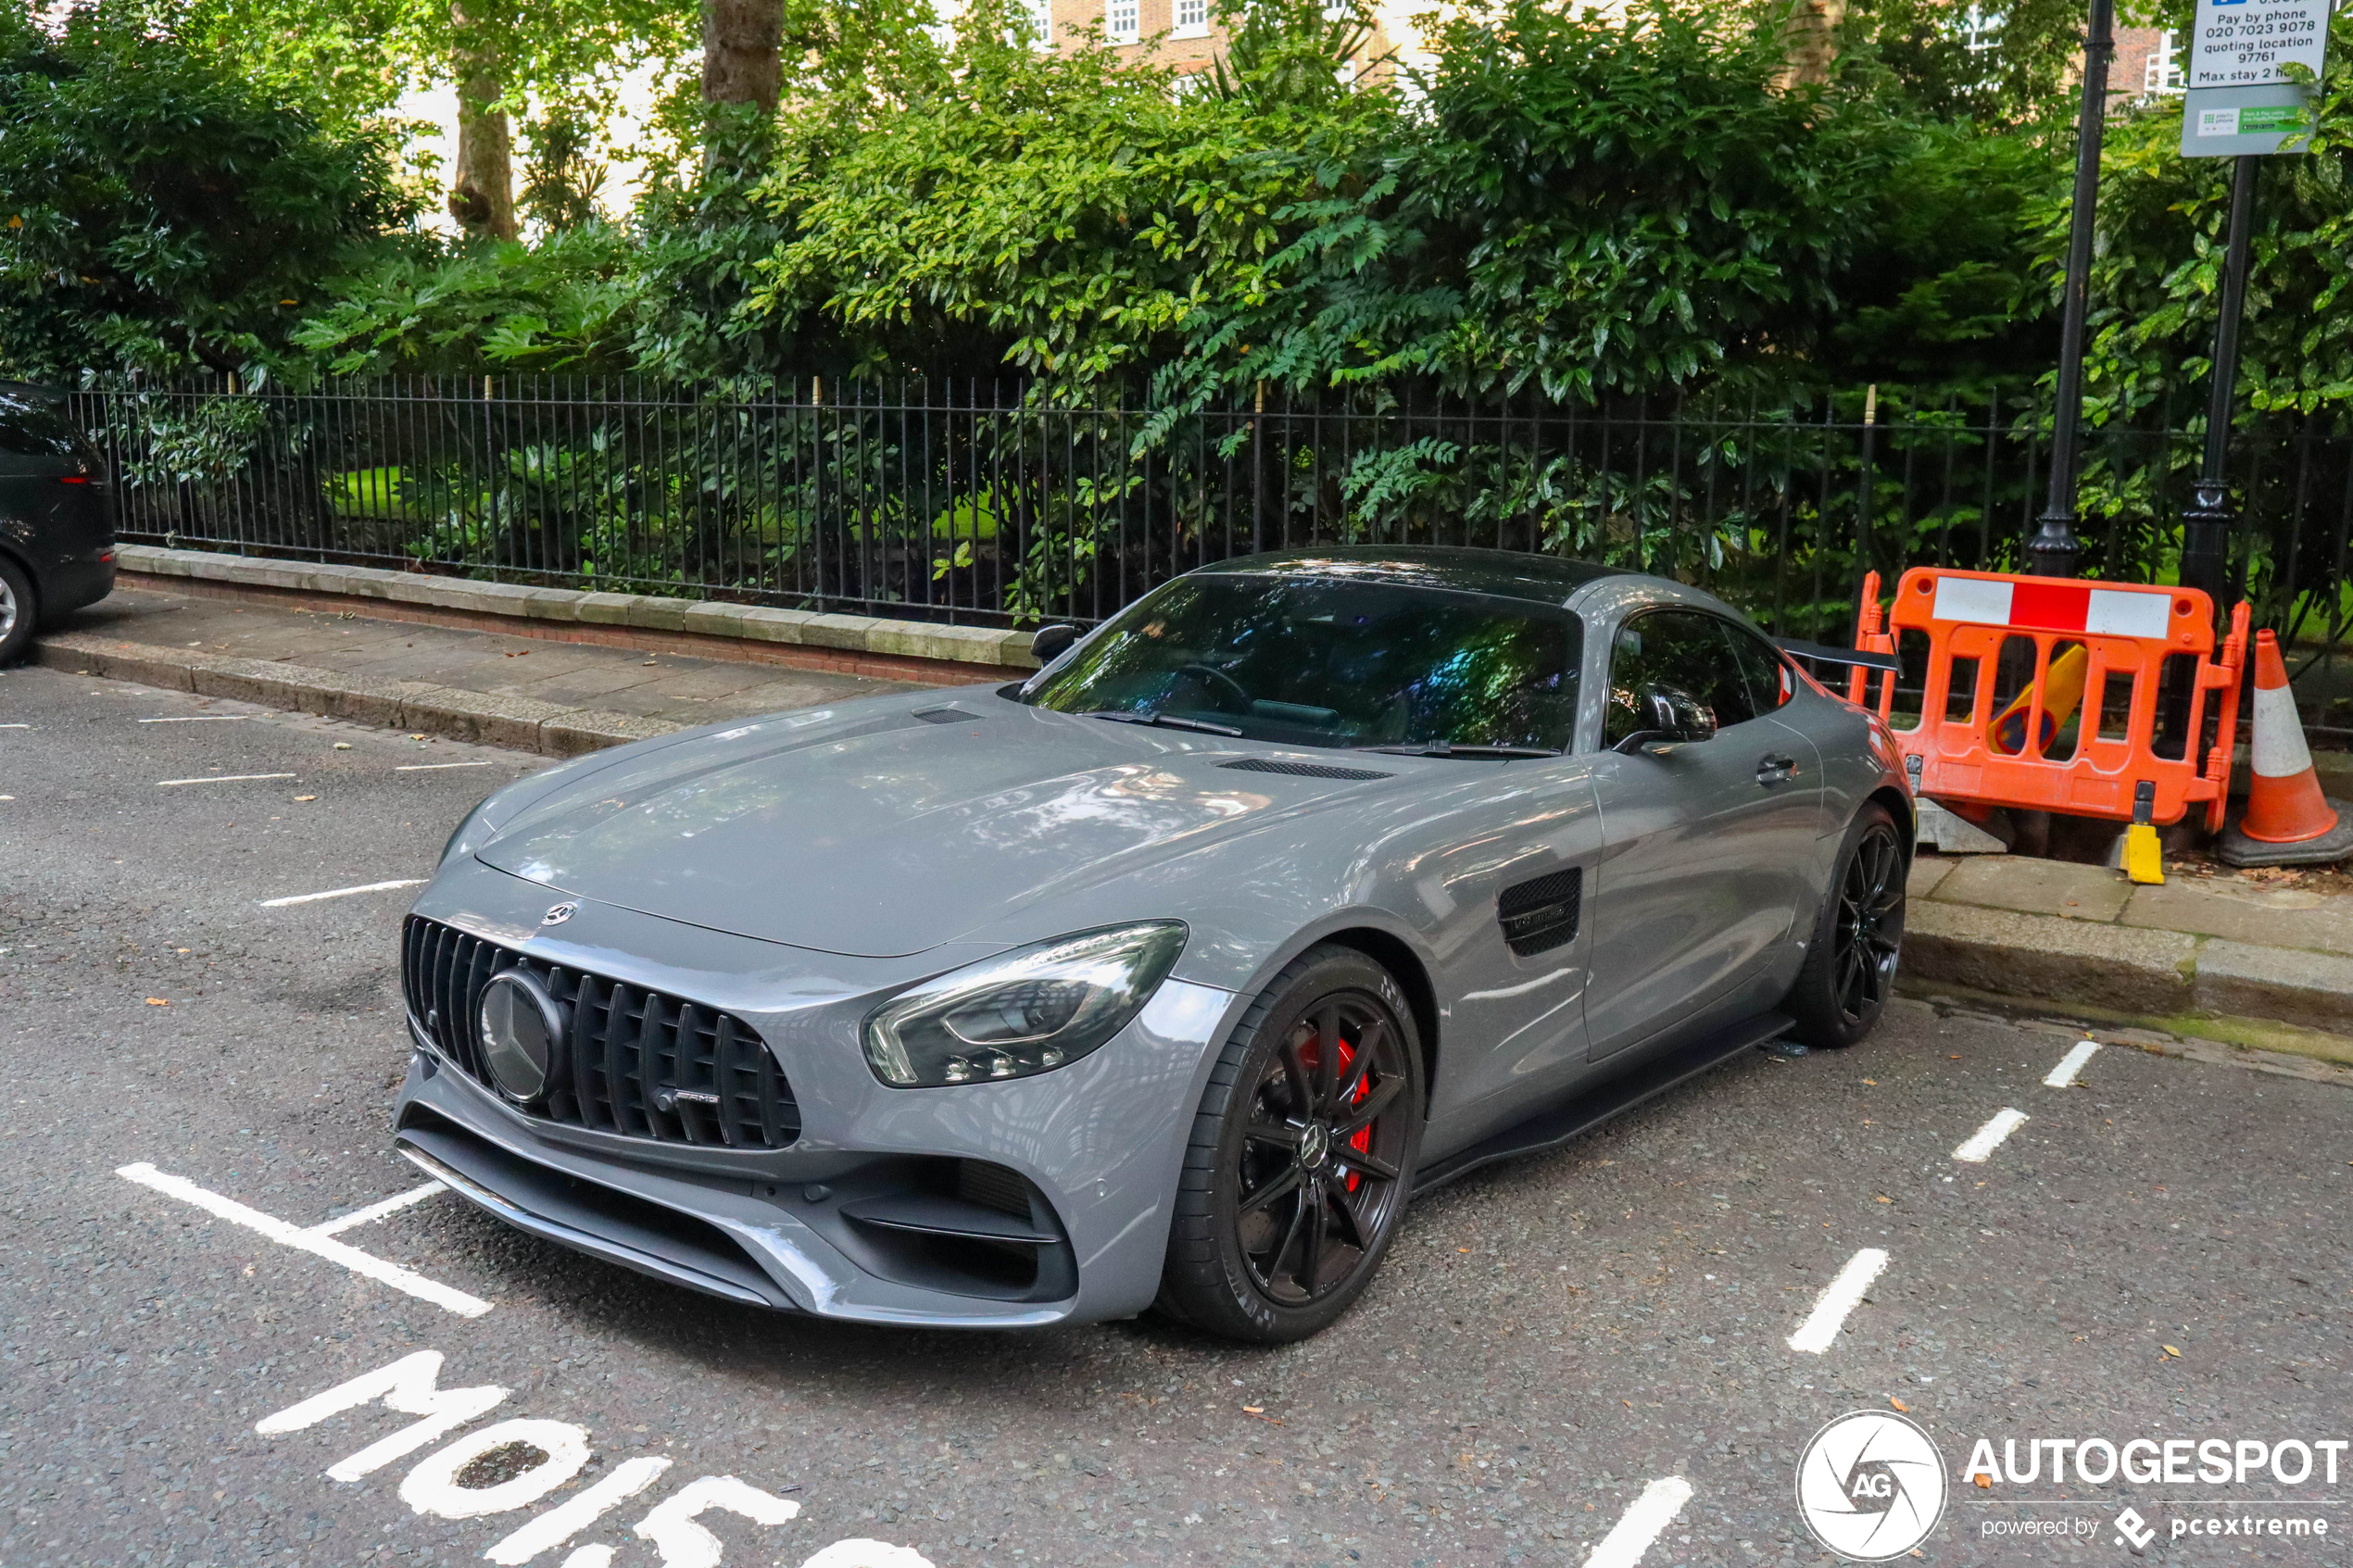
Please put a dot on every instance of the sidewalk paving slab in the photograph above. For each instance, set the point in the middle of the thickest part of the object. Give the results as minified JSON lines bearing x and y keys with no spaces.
{"x":503,"y":688}
{"x":2042,"y":887}
{"x":2272,"y":917}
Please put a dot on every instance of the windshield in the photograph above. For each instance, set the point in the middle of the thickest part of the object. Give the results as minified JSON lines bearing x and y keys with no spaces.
{"x":1311,"y":662}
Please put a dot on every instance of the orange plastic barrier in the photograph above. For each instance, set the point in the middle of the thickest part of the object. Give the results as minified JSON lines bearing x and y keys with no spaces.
{"x":2109,"y":641}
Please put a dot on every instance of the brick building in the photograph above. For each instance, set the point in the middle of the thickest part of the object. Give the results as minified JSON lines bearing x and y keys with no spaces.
{"x":1185,"y":34}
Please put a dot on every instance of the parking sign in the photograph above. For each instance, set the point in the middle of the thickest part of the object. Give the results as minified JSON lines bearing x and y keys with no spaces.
{"x":2241,"y":98}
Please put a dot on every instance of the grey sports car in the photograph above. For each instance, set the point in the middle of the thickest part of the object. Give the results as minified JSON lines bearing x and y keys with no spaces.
{"x":1165,"y":977}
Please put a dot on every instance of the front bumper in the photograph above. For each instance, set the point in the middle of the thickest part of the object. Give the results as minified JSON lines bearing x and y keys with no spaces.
{"x":858,"y":1218}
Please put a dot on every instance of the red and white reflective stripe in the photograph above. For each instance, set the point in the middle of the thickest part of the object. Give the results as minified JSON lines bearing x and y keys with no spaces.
{"x":2055,"y":607}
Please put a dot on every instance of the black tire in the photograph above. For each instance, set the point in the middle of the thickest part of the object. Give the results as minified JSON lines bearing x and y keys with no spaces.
{"x":1282,"y":1216}
{"x":1858,"y":936}
{"x":20,"y":611}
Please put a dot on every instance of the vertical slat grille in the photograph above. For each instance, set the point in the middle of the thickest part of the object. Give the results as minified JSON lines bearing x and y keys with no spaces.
{"x":633,"y":1051}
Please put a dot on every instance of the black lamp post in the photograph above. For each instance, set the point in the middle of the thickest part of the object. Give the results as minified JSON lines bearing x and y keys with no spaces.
{"x":2206,"y":526}
{"x":2052,"y":550}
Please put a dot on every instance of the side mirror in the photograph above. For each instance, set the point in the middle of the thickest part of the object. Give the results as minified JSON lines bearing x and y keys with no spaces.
{"x":1050,"y":643}
{"x":1671,"y":716}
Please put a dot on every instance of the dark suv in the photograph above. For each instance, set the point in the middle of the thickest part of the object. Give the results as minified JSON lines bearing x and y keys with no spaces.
{"x":56,"y":523}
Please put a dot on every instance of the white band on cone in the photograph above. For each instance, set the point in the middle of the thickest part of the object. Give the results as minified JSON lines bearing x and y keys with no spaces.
{"x":2278,"y":750}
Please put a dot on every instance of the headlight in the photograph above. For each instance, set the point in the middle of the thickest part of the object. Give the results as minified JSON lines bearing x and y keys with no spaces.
{"x":1026,"y":1011}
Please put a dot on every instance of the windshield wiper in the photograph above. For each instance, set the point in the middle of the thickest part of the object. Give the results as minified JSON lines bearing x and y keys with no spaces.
{"x":1164,"y":720}
{"x":1447,"y":749}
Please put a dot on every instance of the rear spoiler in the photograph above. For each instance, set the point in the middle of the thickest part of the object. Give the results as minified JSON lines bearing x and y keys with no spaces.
{"x":1856,"y":657}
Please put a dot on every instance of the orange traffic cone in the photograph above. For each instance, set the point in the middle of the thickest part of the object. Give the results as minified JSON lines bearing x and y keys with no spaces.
{"x":2288,"y":822}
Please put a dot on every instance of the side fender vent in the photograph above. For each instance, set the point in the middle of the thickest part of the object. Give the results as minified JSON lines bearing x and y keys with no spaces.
{"x":1302,"y":770}
{"x":1541,"y":915}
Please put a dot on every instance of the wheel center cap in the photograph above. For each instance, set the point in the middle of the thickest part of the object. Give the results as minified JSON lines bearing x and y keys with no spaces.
{"x":1314,"y":1146}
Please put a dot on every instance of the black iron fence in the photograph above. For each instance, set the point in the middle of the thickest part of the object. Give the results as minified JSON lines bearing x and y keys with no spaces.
{"x":969,"y":503}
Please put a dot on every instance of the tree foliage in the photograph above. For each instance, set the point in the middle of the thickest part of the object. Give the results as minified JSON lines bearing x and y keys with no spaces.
{"x":157,"y":212}
{"x":2156,"y":278}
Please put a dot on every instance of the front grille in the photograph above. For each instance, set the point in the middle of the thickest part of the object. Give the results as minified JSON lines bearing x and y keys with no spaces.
{"x":644,"y":1064}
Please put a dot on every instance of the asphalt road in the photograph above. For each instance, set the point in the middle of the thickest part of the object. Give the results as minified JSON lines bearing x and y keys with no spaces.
{"x":2160,"y":1251}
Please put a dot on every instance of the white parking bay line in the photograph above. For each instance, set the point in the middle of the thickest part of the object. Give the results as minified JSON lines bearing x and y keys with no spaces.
{"x":340,"y":893}
{"x":301,"y":1240}
{"x":374,"y":1212}
{"x":1988,"y":1138}
{"x":1841,"y":1296}
{"x":437,"y":767}
{"x":2063,"y":1076}
{"x":222,"y":778}
{"x":1644,"y":1520}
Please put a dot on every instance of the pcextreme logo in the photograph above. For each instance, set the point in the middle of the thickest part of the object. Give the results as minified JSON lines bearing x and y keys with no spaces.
{"x":1870,"y":1486}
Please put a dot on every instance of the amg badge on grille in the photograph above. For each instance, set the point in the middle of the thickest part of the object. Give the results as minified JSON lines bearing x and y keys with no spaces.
{"x":561,"y":913}
{"x":668,"y":1099}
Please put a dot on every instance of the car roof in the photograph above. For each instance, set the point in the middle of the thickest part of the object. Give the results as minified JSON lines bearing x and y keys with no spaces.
{"x":1503,"y":574}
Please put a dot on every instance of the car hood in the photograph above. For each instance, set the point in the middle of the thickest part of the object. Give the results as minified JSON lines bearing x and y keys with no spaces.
{"x":884,"y":834}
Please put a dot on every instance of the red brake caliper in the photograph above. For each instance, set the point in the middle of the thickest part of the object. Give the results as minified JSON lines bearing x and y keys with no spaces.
{"x":1362,"y":1142}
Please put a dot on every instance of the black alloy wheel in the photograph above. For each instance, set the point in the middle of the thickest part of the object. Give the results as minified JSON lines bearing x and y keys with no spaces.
{"x":1870,"y":924}
{"x":1858,"y":936}
{"x":1302,"y":1154}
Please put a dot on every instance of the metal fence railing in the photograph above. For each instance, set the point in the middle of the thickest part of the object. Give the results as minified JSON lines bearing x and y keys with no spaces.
{"x":972,"y":503}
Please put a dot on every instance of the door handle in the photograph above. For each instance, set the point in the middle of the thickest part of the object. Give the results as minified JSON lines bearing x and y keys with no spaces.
{"x":1773,"y":768}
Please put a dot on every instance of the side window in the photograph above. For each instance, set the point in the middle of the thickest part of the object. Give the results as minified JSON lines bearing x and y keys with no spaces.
{"x":1767,"y":674}
{"x":1681,"y":648}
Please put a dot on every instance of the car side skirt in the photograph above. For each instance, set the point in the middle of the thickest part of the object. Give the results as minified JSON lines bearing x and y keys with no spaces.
{"x":1550,"y":1129}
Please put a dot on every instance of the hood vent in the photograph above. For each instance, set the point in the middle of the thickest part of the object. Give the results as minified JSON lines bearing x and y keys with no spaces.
{"x":1302,"y":770}
{"x":946,"y":715}
{"x":1541,"y":915}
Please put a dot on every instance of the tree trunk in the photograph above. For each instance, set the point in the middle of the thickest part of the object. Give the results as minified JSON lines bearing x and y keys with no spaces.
{"x":741,"y":52}
{"x":1810,"y":33}
{"x":482,"y":191}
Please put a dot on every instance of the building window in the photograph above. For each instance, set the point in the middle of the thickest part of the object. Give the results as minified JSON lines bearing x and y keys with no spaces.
{"x":2164,"y":72}
{"x":1032,"y":24}
{"x":1981,"y":30}
{"x":1123,"y":21}
{"x":1192,"y":19}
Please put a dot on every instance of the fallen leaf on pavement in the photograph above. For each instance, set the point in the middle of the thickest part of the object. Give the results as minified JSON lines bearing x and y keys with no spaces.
{"x":2169,"y":1350}
{"x":306,"y":798}
{"x":342,"y":746}
{"x":158,"y":1002}
{"x":1885,"y":1199}
{"x":1899,"y":1404}
{"x":1985,"y":1481}
{"x":1872,"y":1081}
